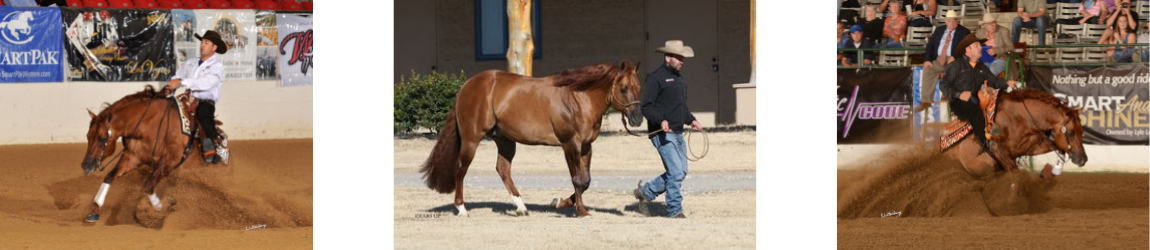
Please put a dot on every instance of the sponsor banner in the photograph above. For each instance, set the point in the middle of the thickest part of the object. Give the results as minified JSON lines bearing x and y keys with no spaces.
{"x":238,"y":30}
{"x":1114,"y":99}
{"x":118,"y":44}
{"x":30,"y":45}
{"x":186,"y":44}
{"x":295,"y":49}
{"x":874,"y":106}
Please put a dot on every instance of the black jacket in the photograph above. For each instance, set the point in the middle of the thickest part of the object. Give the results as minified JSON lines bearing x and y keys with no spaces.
{"x":936,"y":40}
{"x":960,"y":76}
{"x":665,"y":98}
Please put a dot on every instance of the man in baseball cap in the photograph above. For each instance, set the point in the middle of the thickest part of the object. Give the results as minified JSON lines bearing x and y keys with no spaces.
{"x":664,"y":104}
{"x":204,"y":76}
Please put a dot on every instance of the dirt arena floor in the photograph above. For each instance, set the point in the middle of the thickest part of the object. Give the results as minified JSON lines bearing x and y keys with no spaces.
{"x":918,"y":200}
{"x":719,"y":198}
{"x":44,"y":197}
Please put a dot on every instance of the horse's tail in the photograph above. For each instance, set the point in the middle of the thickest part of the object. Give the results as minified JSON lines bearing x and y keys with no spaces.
{"x":440,"y":168}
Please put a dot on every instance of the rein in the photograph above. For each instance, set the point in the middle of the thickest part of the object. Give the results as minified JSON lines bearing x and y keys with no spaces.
{"x":1049,"y":140}
{"x":134,"y":129}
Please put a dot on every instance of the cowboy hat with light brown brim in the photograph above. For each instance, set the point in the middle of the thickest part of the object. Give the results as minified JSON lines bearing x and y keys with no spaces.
{"x":987,"y":18}
{"x":951,"y":14}
{"x":676,"y":47}
{"x":221,"y":47}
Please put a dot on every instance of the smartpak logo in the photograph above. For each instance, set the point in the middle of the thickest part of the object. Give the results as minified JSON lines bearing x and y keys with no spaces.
{"x":15,"y":27}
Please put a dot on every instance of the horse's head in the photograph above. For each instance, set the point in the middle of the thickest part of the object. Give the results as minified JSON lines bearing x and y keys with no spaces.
{"x":101,"y":144}
{"x":1068,"y":137}
{"x":625,"y":93}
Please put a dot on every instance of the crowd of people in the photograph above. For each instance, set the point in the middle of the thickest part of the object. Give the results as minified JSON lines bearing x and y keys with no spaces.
{"x":884,"y":25}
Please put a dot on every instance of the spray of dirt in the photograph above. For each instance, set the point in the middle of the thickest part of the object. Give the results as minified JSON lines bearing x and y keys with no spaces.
{"x":920,"y":182}
{"x":268,"y":184}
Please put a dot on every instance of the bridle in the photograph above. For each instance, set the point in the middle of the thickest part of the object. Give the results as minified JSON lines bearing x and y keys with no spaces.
{"x":614,"y":98}
{"x":1050,"y":139}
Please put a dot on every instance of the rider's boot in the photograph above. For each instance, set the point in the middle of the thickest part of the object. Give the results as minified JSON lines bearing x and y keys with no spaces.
{"x":210,"y":156}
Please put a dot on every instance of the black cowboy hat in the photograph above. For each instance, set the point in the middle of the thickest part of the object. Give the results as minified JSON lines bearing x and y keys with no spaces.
{"x":215,"y":38}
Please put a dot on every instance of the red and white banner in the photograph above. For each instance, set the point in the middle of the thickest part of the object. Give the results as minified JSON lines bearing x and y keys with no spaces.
{"x":295,"y":49}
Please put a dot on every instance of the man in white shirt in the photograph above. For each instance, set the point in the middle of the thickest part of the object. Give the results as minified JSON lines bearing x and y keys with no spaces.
{"x":204,"y":76}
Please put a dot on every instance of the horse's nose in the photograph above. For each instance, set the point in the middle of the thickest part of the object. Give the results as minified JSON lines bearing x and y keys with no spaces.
{"x":89,"y":165}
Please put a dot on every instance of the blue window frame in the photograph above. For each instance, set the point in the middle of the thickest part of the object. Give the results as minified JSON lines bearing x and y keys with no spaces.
{"x":491,"y":30}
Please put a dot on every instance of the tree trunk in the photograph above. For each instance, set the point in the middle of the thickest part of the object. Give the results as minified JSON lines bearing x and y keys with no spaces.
{"x":520,"y":43}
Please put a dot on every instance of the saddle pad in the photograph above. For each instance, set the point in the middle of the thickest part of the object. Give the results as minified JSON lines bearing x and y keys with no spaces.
{"x":956,"y":129}
{"x":182,"y":101}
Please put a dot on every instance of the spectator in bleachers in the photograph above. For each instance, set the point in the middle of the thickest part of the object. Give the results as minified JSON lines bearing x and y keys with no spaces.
{"x":1145,"y":38}
{"x":1031,"y":14}
{"x":872,"y":24}
{"x":942,"y":42}
{"x":1093,"y":12}
{"x":850,"y":58}
{"x":1111,"y":22}
{"x":923,"y":14}
{"x":894,"y":28}
{"x":1123,"y":35}
{"x":998,"y":41}
{"x":842,"y":41}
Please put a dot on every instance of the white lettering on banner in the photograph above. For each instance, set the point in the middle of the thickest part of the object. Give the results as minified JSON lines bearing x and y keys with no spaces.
{"x":32,"y":57}
{"x":1093,"y":102}
{"x":1091,"y":79}
{"x":869,"y":110}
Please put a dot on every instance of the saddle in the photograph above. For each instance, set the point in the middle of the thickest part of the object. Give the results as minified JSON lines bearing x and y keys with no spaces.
{"x":186,"y":104}
{"x":957,"y":129}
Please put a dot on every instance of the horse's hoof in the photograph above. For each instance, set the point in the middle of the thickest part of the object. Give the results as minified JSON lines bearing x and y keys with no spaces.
{"x":92,"y":217}
{"x":555,"y":203}
{"x":520,"y":212}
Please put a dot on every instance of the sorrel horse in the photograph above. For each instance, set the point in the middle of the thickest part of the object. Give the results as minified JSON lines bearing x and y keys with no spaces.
{"x":564,"y":110}
{"x":1032,"y":122}
{"x":149,"y":124}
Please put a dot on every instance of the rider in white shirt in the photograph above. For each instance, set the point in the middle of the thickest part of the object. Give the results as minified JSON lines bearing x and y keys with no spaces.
{"x":204,"y":76}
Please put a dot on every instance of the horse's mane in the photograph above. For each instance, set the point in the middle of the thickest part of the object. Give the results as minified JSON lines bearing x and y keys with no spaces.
{"x":149,"y":92}
{"x":587,"y":77}
{"x":1034,"y":94}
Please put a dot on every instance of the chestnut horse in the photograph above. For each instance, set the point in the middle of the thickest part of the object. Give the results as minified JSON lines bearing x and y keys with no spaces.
{"x":564,"y":110}
{"x":149,"y":124}
{"x":1032,"y":122}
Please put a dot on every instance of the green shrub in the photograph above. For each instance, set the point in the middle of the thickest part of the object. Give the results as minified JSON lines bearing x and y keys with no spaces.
{"x":423,"y":101}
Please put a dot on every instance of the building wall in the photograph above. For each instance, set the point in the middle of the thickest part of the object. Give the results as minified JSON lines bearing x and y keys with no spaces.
{"x":578,"y":33}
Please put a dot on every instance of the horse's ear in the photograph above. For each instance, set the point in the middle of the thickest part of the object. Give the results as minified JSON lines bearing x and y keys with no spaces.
{"x":637,"y":66}
{"x":90,"y":114}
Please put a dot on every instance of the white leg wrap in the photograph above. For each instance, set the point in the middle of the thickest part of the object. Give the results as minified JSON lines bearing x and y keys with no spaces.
{"x":1057,"y":168}
{"x":155,"y":201}
{"x":462,"y":210}
{"x":101,"y":194}
{"x":518,"y":203}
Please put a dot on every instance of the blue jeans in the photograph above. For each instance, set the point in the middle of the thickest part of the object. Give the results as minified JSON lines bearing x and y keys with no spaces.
{"x":1124,"y":55}
{"x":997,"y":66}
{"x":1037,"y":23}
{"x":673,"y":151}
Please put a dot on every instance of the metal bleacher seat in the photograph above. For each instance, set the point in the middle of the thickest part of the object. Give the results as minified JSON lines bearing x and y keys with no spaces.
{"x":1091,"y":33}
{"x":1094,"y":55}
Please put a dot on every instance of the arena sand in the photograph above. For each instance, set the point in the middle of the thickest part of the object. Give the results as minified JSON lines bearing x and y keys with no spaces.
{"x":268,"y":189}
{"x":916,"y":199}
{"x":719,"y":219}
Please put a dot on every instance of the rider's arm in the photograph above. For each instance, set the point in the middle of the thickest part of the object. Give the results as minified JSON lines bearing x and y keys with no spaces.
{"x":994,"y":81}
{"x":213,"y":75}
{"x":181,"y":72}
{"x":948,"y":81}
